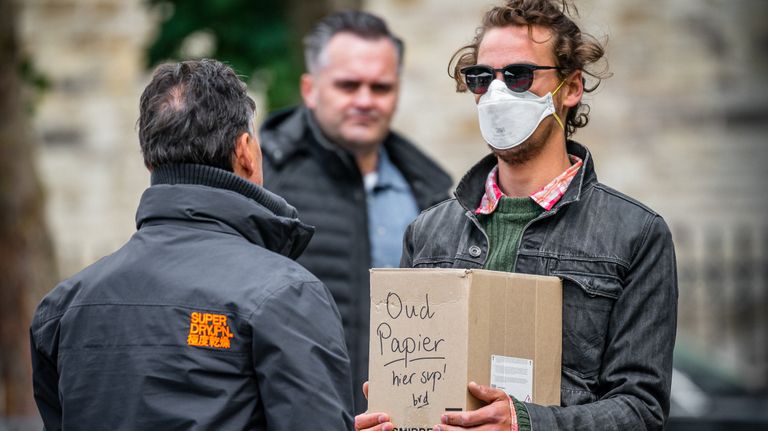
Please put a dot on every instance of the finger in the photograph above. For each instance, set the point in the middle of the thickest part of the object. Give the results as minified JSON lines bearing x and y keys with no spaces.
{"x":494,"y":413}
{"x":365,"y":390}
{"x":486,"y":393}
{"x":370,"y":420}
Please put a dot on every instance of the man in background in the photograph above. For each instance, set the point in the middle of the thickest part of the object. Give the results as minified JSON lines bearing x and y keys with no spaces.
{"x":336,"y":159}
{"x":202,"y":320}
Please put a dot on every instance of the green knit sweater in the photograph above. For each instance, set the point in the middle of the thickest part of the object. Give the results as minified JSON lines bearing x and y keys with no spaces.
{"x":505,"y":228}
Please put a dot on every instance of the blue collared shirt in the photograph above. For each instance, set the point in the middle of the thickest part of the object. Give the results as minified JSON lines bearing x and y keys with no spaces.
{"x":391,"y":208}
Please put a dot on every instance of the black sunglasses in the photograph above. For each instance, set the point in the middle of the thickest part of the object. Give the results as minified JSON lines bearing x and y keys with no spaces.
{"x":517,"y":77}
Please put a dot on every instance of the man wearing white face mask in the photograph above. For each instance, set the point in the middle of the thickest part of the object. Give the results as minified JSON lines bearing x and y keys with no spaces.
{"x":535,"y":206}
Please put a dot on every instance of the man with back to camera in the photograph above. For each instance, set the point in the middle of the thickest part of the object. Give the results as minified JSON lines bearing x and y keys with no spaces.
{"x":535,"y":206}
{"x":202,"y":320}
{"x":336,"y":159}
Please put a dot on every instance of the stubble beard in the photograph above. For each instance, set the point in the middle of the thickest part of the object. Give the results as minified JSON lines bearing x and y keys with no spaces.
{"x":528,"y":150}
{"x":349,"y":140}
{"x":357,"y":146}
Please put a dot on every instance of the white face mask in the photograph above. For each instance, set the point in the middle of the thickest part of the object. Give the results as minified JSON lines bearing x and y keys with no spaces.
{"x":507,"y":118}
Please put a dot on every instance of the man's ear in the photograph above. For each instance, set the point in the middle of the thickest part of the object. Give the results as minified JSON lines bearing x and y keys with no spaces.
{"x":573,"y":89}
{"x":247,"y":162}
{"x":308,"y":92}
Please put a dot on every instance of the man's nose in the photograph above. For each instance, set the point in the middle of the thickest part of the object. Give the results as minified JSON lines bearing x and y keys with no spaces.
{"x":364,"y":97}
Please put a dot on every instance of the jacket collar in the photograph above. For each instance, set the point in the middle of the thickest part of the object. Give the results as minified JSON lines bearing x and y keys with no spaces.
{"x":471,"y":187}
{"x":291,"y":131}
{"x":585,"y":178}
{"x":187,"y":193}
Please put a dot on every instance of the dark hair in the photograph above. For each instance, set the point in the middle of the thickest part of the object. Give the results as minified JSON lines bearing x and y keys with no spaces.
{"x":361,"y":24}
{"x":192,"y":112}
{"x":573,"y":49}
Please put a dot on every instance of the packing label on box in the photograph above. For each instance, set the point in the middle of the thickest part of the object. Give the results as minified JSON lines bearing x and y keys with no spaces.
{"x":513,"y":375}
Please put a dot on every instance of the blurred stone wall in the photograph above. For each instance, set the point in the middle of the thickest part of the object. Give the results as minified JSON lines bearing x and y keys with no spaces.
{"x":91,"y":51}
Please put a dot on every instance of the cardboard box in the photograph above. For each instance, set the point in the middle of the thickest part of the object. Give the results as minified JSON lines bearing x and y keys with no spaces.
{"x":435,"y":330}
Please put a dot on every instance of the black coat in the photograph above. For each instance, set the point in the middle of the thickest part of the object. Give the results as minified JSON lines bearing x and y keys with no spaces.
{"x":200,"y":321}
{"x":326,"y":187}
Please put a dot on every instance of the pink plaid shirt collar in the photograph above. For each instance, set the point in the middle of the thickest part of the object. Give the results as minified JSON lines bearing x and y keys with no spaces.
{"x":547,"y":197}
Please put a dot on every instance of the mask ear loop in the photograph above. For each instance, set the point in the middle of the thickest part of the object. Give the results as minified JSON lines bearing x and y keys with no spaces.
{"x":554,"y":114}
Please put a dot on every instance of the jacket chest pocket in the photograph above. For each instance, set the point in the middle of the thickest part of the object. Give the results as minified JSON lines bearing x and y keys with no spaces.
{"x":588,"y":300}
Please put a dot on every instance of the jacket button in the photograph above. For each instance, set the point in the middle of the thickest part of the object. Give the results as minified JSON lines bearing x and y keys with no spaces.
{"x":475,"y":251}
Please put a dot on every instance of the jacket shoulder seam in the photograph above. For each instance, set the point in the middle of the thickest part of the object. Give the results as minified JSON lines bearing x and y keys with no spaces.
{"x":279,"y":289}
{"x":445,"y":201}
{"x":38,"y":324}
{"x":617,"y":194}
{"x":644,"y":240}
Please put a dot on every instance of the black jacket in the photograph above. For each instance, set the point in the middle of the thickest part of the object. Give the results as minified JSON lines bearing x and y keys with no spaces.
{"x":324,"y":184}
{"x":617,"y":262}
{"x":200,"y":321}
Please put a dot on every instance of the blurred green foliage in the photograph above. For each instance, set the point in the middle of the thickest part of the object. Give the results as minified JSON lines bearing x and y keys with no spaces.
{"x":252,"y":36}
{"x":35,"y":82}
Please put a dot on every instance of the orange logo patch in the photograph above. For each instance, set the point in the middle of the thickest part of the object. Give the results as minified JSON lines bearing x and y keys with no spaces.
{"x":209,"y":330}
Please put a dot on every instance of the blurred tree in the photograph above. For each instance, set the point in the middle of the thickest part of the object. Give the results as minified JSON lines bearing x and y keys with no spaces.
{"x":259,"y":39}
{"x":26,"y":257}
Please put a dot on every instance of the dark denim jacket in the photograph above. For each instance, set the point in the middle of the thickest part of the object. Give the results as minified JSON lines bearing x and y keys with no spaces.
{"x":617,"y":262}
